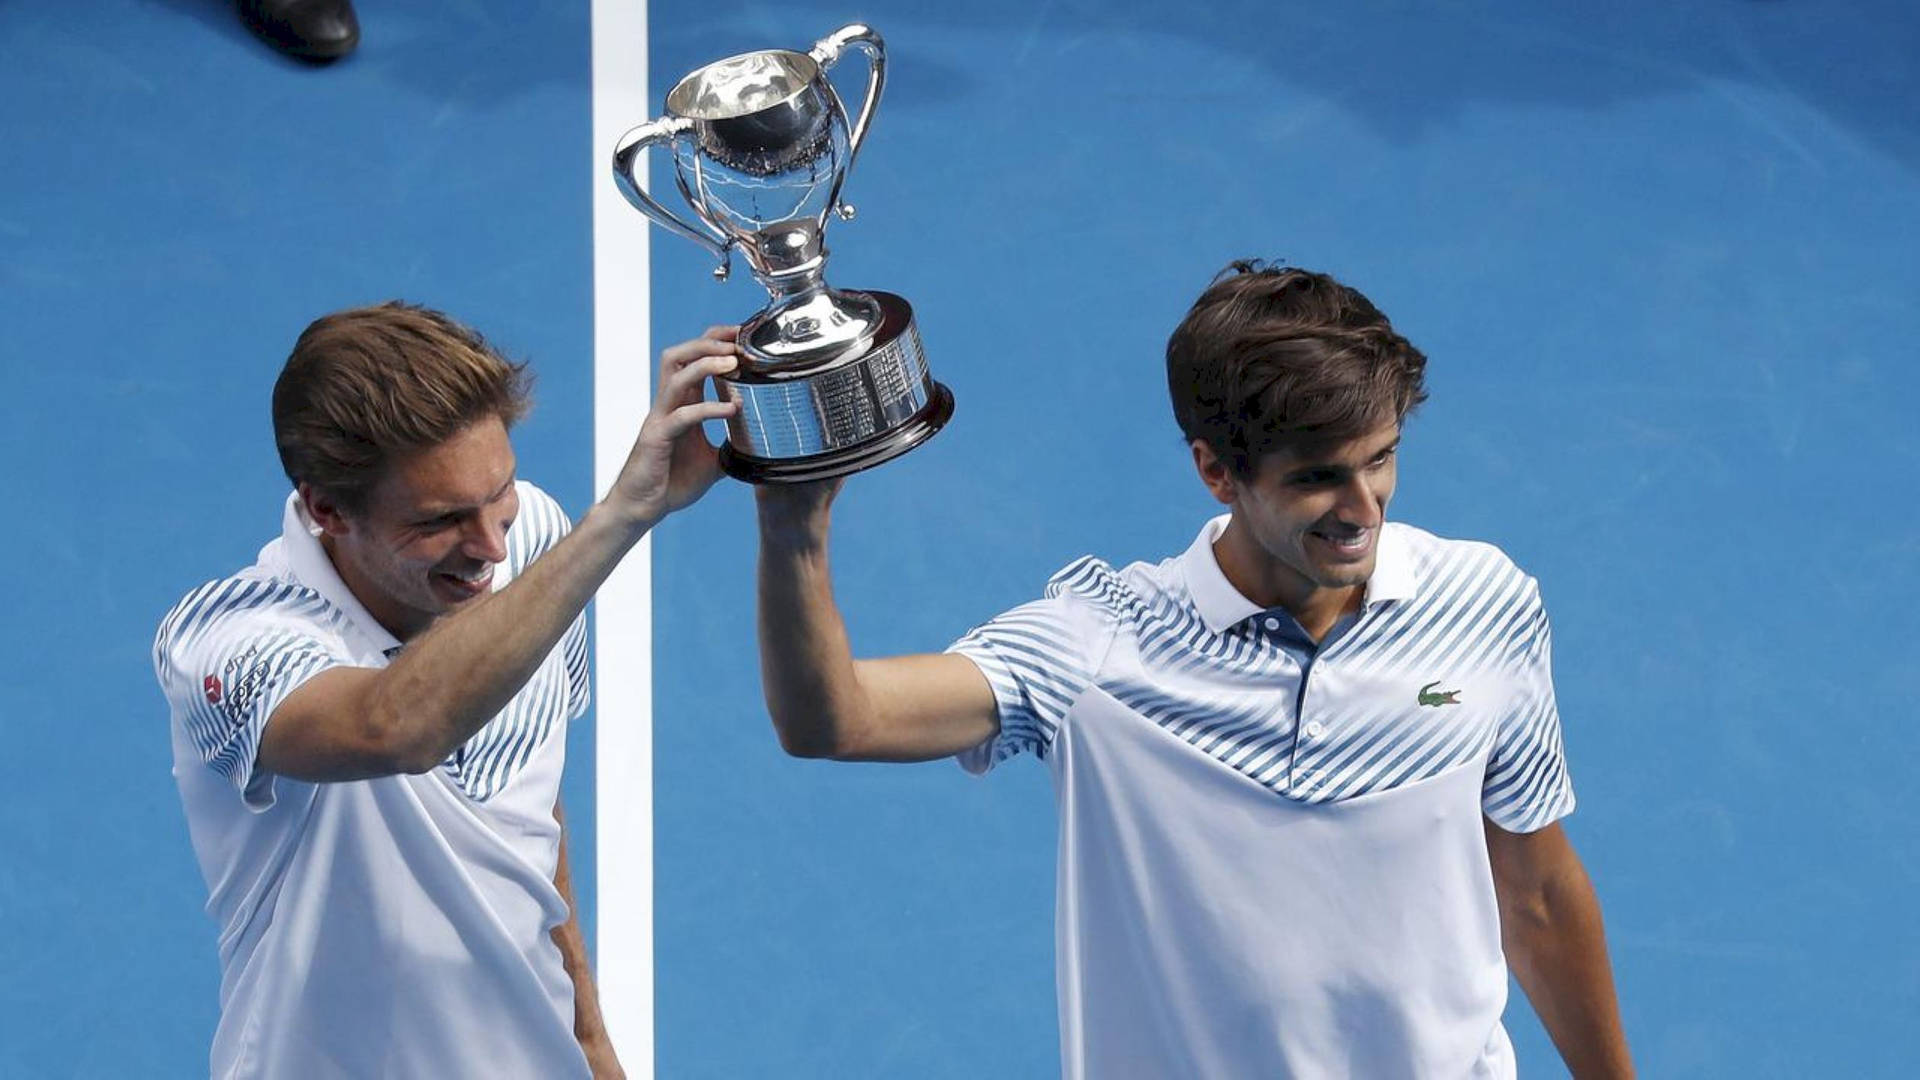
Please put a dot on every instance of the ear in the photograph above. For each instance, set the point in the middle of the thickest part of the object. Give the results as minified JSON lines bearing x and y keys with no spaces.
{"x":325,"y":513}
{"x":1215,"y":473}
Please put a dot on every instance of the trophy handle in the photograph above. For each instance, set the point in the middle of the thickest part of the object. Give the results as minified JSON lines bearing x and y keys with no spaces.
{"x":627,"y":157}
{"x":826,"y":52}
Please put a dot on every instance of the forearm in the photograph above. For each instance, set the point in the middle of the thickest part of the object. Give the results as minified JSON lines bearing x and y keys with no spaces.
{"x":1556,"y":944}
{"x":806,"y":663}
{"x":463,"y":670}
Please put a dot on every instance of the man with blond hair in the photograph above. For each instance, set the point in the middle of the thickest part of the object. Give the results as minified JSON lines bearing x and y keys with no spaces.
{"x":1308,"y":772}
{"x":369,"y":723}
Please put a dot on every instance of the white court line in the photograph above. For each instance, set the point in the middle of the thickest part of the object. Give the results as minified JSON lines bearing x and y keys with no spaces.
{"x":623,"y":626}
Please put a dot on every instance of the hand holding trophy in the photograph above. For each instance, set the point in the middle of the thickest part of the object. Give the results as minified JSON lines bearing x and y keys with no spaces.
{"x":831,"y":381}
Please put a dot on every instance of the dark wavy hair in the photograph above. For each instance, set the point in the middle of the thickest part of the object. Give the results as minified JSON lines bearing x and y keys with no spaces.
{"x":1280,"y":359}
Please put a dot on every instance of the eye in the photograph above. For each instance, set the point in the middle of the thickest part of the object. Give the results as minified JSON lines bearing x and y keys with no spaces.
{"x":444,"y":521}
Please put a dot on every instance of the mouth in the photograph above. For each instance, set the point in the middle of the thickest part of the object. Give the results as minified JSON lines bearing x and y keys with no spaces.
{"x":1346,"y":545}
{"x":466,"y":585}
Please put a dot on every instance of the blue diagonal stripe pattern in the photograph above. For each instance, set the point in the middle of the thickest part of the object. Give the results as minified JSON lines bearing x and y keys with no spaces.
{"x":1457,"y":674}
{"x":490,"y":759}
{"x":232,"y":650}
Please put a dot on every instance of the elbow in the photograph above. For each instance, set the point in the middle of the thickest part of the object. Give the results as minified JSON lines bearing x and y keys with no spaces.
{"x":808,"y":737}
{"x":807,"y":745}
{"x":1528,"y":913}
{"x":1548,"y":907}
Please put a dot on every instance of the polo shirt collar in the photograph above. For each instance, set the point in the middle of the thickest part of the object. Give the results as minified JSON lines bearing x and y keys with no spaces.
{"x":1222,"y":606}
{"x":300,"y":539}
{"x":1394,"y":576}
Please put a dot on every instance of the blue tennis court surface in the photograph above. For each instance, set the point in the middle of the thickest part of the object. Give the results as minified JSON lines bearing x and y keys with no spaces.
{"x":1660,"y":256}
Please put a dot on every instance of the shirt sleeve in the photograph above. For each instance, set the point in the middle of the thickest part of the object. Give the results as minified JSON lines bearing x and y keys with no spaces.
{"x":579,"y":678}
{"x":1039,"y":658}
{"x":542,"y":524}
{"x":1526,"y":786}
{"x":227,"y":657}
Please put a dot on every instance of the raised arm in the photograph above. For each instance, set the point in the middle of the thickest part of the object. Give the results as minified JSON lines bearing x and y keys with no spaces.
{"x":350,"y":723}
{"x":824,"y":703}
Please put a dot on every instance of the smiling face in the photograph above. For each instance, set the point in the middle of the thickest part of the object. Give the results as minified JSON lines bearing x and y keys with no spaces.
{"x":1305,"y":531}
{"x":434,"y":528}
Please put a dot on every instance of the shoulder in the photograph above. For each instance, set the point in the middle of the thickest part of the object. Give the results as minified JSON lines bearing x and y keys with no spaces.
{"x":252,"y":596}
{"x":1094,"y":583}
{"x":1456,"y":568}
{"x":233,"y":616}
{"x":539,"y":525}
{"x":1138,"y":593}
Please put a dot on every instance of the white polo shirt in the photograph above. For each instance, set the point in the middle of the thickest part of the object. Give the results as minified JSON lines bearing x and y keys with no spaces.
{"x":1271,"y":854}
{"x":385,"y":928}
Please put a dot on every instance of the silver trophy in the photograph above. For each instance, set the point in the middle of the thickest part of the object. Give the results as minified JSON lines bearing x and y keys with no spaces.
{"x":832,"y":381}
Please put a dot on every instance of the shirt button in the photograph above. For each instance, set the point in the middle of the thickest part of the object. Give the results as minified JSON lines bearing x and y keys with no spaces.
{"x":1315,"y":729}
{"x":1270,"y":623}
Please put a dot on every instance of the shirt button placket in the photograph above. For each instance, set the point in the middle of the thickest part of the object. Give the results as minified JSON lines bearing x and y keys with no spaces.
{"x":1304,"y":780}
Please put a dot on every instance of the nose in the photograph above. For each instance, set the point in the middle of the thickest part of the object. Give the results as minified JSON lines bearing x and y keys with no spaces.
{"x":485,"y":538}
{"x":1360,"y":505}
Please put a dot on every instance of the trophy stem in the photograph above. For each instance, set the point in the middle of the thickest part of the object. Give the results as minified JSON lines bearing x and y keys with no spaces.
{"x":794,"y":286}
{"x":809,"y":323}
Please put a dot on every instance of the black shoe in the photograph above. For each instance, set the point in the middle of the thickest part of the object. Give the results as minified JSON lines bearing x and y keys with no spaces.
{"x":309,"y":29}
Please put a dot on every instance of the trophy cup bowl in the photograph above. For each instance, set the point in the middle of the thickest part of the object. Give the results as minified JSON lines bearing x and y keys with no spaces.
{"x":830,"y":381}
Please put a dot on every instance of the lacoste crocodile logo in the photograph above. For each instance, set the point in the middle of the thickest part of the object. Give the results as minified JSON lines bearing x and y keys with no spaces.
{"x":1428,"y":696}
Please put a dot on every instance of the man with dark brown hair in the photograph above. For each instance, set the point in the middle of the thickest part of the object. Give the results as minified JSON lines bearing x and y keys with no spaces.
{"x":1308,"y":772}
{"x":369,"y":723}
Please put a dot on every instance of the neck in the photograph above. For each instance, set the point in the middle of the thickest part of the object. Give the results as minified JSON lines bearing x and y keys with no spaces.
{"x":390,"y":618}
{"x":1271,"y":583}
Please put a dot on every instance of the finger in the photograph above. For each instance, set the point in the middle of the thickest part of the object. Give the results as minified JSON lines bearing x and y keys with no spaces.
{"x":679,"y":356}
{"x":722,"y":333}
{"x":687,"y":417}
{"x":675,"y":357}
{"x":683,"y":386}
{"x":688,"y":385}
